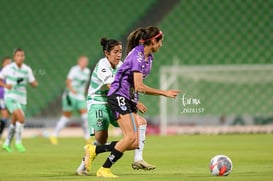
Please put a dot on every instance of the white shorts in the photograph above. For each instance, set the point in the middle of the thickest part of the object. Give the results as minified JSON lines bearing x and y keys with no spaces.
{"x":2,"y":104}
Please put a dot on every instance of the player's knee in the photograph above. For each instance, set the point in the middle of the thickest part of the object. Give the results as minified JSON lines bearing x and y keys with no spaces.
{"x":19,"y":116}
{"x":142,"y":121}
{"x":130,"y":139}
{"x":67,"y":114}
{"x":134,"y":145}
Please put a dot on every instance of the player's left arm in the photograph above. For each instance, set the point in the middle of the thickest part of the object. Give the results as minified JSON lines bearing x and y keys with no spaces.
{"x":31,"y":79}
{"x":34,"y":84}
{"x":141,"y":87}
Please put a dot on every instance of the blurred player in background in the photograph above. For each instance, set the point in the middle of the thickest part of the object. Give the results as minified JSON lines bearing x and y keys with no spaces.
{"x":73,"y":98}
{"x":123,"y":96}
{"x":4,"y":111}
{"x":99,"y":113}
{"x":16,"y":75}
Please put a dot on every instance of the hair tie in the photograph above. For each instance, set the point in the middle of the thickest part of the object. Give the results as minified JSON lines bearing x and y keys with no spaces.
{"x":156,"y":36}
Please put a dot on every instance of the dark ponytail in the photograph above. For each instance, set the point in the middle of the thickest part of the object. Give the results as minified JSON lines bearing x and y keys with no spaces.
{"x":134,"y":38}
{"x":108,"y":44}
{"x":143,"y":36}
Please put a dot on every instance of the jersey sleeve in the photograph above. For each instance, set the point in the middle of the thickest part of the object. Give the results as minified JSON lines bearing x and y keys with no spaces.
{"x":105,"y":74}
{"x":3,"y":73}
{"x":31,"y":77}
{"x":71,"y":74}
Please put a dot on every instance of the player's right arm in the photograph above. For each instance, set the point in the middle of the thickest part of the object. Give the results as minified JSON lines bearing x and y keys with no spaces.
{"x":141,"y":87}
{"x":7,"y":86}
{"x":69,"y":86}
{"x":69,"y":79}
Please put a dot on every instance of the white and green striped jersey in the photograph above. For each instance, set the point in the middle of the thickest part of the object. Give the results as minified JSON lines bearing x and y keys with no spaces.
{"x":102,"y":75}
{"x":79,"y":79}
{"x":18,"y":78}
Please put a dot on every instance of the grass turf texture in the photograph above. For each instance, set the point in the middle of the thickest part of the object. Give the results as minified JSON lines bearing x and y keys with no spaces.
{"x":176,"y":157}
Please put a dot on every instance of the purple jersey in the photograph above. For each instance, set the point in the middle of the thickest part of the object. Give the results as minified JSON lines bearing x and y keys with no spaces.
{"x":124,"y":81}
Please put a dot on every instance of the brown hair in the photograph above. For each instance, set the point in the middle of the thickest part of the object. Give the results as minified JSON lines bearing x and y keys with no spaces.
{"x":17,"y":50}
{"x":5,"y":59}
{"x":144,"y":36}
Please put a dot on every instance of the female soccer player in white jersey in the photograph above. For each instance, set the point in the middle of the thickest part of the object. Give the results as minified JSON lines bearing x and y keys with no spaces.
{"x":17,"y":75}
{"x":99,"y":113}
{"x":74,"y":98}
{"x":123,"y":96}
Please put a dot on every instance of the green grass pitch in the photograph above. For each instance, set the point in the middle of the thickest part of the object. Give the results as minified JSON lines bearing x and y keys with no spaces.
{"x":176,"y":157}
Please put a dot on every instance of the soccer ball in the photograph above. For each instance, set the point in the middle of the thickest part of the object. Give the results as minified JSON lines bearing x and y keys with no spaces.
{"x":220,"y":165}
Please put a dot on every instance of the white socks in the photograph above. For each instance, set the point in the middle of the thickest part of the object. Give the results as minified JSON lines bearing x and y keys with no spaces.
{"x":16,"y":129}
{"x":60,"y":125}
{"x":11,"y":131}
{"x":142,"y":137}
{"x":85,"y":126}
{"x":81,"y":167}
{"x":63,"y":121}
{"x":19,"y":128}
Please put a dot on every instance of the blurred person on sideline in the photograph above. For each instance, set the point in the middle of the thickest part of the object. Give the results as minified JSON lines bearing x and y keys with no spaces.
{"x":99,"y":113}
{"x":73,"y":98}
{"x":123,"y":97}
{"x":16,"y":75}
{"x":4,"y":111}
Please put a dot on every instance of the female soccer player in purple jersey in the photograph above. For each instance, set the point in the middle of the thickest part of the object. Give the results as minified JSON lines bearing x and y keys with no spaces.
{"x":99,"y":113}
{"x":123,"y":95}
{"x":4,"y":111}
